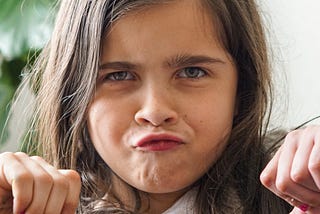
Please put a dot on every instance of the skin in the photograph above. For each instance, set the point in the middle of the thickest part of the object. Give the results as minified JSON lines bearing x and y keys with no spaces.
{"x":294,"y":171}
{"x":159,"y":96}
{"x":30,"y":185}
{"x":161,"y":99}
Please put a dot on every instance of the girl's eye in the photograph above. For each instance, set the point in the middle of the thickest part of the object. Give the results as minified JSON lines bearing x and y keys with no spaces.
{"x":192,"y":72}
{"x":119,"y":76}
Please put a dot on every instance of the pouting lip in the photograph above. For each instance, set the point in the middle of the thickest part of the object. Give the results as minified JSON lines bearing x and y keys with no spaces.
{"x":144,"y":141}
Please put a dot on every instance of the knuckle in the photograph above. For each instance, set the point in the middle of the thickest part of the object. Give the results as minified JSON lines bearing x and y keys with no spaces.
{"x":314,"y":166}
{"x":45,"y":178}
{"x":282,"y":185}
{"x":310,"y":132}
{"x":24,"y":177}
{"x":73,"y":176}
{"x":21,"y":154}
{"x":298,"y":176}
{"x":6,"y":155}
{"x":61,"y":182}
{"x":292,"y":136}
{"x":37,"y":158}
{"x":266,"y":179}
{"x":311,"y":128}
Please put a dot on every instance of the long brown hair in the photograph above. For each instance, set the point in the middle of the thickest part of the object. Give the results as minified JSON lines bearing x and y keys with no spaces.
{"x":64,"y":79}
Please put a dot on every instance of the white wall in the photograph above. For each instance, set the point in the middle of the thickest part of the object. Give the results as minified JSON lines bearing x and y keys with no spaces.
{"x":295,"y":26}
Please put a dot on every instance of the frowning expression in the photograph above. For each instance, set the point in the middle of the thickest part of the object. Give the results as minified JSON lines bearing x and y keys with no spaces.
{"x":165,"y":97}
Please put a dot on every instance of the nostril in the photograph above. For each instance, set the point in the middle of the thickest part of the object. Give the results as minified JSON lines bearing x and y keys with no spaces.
{"x":154,"y":120}
{"x":168,"y":120}
{"x":143,"y":121}
{"x":155,"y":114}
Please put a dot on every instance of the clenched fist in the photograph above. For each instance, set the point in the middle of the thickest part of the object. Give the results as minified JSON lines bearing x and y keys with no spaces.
{"x":31,"y":185}
{"x":294,"y":172}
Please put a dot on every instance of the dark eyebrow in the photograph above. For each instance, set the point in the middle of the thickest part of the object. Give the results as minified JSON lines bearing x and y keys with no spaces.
{"x":178,"y":61}
{"x":184,"y":60}
{"x":118,"y":66}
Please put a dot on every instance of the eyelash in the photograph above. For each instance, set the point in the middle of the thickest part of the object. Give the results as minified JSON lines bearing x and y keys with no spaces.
{"x":124,"y":75}
{"x":182,"y":73}
{"x":201,"y":73}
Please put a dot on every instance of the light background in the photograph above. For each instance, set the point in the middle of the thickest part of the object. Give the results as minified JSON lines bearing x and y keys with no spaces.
{"x":295,"y":40}
{"x":294,"y":30}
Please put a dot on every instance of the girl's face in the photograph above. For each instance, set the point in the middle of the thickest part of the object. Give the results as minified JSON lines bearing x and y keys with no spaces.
{"x":165,"y":97}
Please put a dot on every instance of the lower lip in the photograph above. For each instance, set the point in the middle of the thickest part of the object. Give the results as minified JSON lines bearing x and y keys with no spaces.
{"x":159,"y":146}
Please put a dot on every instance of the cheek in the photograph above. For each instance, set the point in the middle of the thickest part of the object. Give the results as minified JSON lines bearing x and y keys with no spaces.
{"x":107,"y":123}
{"x":101,"y":123}
{"x":104,"y":132}
{"x":212,"y":123}
{"x":211,"y":115}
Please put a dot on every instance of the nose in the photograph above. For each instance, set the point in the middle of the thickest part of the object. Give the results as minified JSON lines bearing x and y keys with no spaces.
{"x":157,"y":108}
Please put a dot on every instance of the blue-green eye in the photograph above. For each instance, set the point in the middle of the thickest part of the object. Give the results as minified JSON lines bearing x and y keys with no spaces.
{"x":119,"y":76}
{"x":191,"y":72}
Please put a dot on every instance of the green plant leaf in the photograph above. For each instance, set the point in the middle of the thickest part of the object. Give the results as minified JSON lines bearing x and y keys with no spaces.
{"x":24,"y":25}
{"x":6,"y":92}
{"x":9,"y":80}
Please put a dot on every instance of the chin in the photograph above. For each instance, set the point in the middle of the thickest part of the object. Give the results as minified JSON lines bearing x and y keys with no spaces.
{"x":162,"y":187}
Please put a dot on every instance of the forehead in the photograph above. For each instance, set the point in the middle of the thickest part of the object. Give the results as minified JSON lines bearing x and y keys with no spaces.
{"x":183,"y":12}
{"x":183,"y":21}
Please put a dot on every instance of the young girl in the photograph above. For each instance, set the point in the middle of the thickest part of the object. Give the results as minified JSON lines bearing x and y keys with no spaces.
{"x":161,"y":107}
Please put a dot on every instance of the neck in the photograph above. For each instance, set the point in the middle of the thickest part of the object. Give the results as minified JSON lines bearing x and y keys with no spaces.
{"x":160,"y":202}
{"x":155,"y":203}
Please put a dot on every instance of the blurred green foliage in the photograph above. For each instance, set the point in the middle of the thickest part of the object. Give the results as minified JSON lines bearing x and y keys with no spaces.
{"x":25,"y":26}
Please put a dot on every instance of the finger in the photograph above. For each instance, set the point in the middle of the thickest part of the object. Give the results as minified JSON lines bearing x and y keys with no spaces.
{"x":269,"y":174}
{"x":42,"y":184}
{"x":72,"y":199}
{"x":59,"y":188}
{"x":18,"y":181}
{"x":284,"y":183}
{"x":314,"y":161}
{"x":300,"y":173}
{"x":268,"y":179}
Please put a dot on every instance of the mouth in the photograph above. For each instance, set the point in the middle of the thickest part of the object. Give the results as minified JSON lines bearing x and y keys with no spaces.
{"x":157,"y":143}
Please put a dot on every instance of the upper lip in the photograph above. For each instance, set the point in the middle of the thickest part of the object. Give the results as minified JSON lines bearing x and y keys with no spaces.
{"x":157,"y":137}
